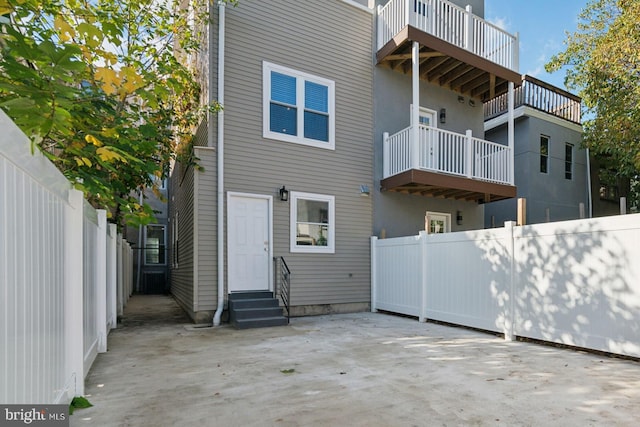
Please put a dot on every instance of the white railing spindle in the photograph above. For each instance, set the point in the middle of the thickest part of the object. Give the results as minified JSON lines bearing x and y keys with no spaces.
{"x":447,"y":152}
{"x":544,"y":98}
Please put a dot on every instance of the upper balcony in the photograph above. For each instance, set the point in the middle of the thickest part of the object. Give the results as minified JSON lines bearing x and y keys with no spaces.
{"x":458,"y":49}
{"x":540,"y":96}
{"x":428,"y":161}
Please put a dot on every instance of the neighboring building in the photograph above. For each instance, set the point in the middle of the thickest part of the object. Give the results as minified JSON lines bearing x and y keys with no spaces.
{"x":551,"y":167}
{"x":149,"y":244}
{"x":607,"y":189}
{"x":440,"y":173}
{"x":297,"y":90}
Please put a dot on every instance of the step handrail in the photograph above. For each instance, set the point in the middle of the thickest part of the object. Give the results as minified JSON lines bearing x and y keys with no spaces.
{"x":282,"y":283}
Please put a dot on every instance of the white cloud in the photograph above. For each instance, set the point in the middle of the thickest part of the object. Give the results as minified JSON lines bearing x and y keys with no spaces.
{"x":500,"y":22}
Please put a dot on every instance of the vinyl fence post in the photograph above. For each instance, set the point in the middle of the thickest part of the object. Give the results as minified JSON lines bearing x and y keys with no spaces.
{"x":374,"y":274}
{"x":73,"y":292}
{"x":101,"y":281}
{"x":510,"y":315}
{"x":120,"y":276}
{"x":112,"y":284}
{"x":423,"y":276}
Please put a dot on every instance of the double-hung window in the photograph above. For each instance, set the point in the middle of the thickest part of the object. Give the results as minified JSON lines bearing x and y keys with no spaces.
{"x":298,"y":107}
{"x":568,"y":161}
{"x":544,"y":154}
{"x":312,"y":223}
{"x":154,"y":246}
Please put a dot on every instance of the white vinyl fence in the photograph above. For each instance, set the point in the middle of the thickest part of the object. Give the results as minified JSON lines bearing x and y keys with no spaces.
{"x":59,"y":275}
{"x":574,"y":282}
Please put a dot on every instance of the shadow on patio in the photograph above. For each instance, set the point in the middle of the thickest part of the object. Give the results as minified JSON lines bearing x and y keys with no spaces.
{"x":362,"y":369}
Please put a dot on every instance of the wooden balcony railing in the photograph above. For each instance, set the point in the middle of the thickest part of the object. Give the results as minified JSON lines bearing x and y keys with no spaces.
{"x":447,"y":152}
{"x":451,"y":23}
{"x":539,"y":95}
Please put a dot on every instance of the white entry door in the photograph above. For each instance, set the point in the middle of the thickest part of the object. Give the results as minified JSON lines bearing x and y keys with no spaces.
{"x":249,"y":242}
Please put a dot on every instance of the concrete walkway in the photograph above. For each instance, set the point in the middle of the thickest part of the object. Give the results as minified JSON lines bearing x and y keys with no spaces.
{"x":345,"y":370}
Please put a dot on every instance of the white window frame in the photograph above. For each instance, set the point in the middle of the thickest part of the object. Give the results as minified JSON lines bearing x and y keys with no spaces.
{"x":423,"y":112}
{"x":331,"y":225}
{"x":164,"y":239}
{"x":568,"y":162}
{"x":437,"y":215}
{"x":301,"y":77}
{"x":547,"y":156}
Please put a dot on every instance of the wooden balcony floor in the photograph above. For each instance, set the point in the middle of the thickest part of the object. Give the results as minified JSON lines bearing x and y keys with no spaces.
{"x":438,"y":185}
{"x":447,"y":65}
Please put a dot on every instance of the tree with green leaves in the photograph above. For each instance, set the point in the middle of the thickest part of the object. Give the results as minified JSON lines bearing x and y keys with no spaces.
{"x":98,"y":87}
{"x":602,"y":61}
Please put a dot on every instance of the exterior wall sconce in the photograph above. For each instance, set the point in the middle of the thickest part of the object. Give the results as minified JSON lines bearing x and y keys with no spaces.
{"x":284,"y":194}
{"x":459,"y":217}
{"x":461,"y":99}
{"x":364,"y":190}
{"x":443,"y":115}
{"x":472,"y":103}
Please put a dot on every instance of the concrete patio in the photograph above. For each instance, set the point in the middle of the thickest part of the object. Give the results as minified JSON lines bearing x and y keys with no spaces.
{"x":360,"y":369}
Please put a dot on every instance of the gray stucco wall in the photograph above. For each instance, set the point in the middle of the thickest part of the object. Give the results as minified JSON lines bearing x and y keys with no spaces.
{"x":562,"y":197}
{"x":399,"y":214}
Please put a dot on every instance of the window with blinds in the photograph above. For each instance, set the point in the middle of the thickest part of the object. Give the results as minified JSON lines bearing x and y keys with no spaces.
{"x":298,"y":107}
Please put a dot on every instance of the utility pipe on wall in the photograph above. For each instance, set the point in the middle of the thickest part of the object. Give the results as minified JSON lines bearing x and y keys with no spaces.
{"x":220,"y":199}
{"x":141,"y":247}
{"x":511,"y":132}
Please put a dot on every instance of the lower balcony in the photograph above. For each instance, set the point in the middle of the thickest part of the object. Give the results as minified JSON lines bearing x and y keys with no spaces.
{"x":433,"y":162}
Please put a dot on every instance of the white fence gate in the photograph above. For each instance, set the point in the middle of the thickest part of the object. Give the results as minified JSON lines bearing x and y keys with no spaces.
{"x":59,"y":277}
{"x":572,"y":282}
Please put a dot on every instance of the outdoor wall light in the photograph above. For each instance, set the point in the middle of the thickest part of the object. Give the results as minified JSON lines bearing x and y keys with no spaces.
{"x":472,"y":103}
{"x":461,"y":99}
{"x":364,"y":190}
{"x":459,"y":217}
{"x":284,"y":194}
{"x":443,"y":115}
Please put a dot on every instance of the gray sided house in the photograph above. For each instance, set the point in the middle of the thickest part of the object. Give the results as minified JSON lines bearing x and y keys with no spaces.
{"x":285,"y":170}
{"x":434,"y":168}
{"x":551,"y":167}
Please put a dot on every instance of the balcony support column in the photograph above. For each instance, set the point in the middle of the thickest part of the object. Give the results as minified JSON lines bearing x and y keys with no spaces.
{"x":415,"y":111}
{"x":510,"y":131}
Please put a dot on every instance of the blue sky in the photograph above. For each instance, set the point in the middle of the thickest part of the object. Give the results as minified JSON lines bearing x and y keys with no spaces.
{"x":542,"y":25}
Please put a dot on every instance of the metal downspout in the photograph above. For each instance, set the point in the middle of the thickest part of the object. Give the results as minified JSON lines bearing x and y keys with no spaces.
{"x":220,"y":198}
{"x":141,"y":247}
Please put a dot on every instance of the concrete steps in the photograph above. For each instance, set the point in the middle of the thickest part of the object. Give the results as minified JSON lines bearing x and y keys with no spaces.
{"x":256,"y":309}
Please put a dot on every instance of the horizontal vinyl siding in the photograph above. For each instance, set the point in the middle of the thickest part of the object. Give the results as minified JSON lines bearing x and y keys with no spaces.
{"x":207,"y":233}
{"x":334,"y":42}
{"x":182,"y":202}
